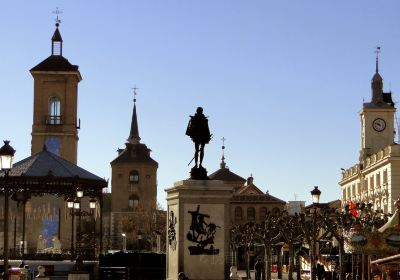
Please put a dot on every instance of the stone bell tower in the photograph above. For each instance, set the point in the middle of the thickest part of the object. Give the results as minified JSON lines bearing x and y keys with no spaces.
{"x":55,"y":122}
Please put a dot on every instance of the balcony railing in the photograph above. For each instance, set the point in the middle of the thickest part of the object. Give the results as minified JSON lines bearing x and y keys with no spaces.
{"x":54,"y":120}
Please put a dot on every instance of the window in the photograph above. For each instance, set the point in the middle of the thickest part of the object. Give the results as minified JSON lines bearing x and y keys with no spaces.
{"x":263,"y":213}
{"x":133,"y":202}
{"x":134,"y":177}
{"x":54,"y":110}
{"x":275,"y":210}
{"x":251,"y":214}
{"x":238,"y":213}
{"x":385,"y":176}
{"x":378,"y":179}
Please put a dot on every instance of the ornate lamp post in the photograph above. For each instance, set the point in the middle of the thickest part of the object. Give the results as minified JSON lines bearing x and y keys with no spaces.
{"x":75,"y":209}
{"x":139,"y":237}
{"x":70,"y":206}
{"x":315,"y":195}
{"x":92,"y":207}
{"x":123,"y":242}
{"x":6,"y":160}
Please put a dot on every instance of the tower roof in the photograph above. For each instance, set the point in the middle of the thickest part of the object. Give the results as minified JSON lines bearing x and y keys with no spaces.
{"x":56,"y":62}
{"x":224,"y":174}
{"x":134,"y":153}
{"x":379,"y":98}
{"x":56,"y":36}
{"x":134,"y":137}
{"x":46,"y":163}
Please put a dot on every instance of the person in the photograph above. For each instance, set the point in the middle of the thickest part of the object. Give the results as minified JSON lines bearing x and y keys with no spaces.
{"x":258,"y":268}
{"x":320,"y":271}
{"x":199,"y":132}
{"x":41,"y":245}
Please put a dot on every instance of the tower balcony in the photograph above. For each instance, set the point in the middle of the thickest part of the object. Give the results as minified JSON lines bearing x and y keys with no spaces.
{"x":54,"y":120}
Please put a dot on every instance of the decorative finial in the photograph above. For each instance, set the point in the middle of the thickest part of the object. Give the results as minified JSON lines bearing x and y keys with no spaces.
{"x":223,"y":164}
{"x":57,"y":20}
{"x":377,"y":51}
{"x":134,"y":93}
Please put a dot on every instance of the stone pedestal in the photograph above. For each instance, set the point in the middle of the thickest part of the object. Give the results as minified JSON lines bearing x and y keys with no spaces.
{"x":198,"y":229}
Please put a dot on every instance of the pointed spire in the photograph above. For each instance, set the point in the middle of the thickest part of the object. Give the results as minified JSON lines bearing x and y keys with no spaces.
{"x":223,"y":164}
{"x":377,"y":81}
{"x":56,"y":40}
{"x":134,"y":135}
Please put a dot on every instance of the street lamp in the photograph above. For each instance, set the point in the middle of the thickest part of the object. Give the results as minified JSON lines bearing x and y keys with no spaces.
{"x":70,"y":206}
{"x":123,"y":242}
{"x":315,"y":195}
{"x":92,"y":207}
{"x":139,"y":237}
{"x":75,"y":208}
{"x":79,"y":193}
{"x":6,"y":160}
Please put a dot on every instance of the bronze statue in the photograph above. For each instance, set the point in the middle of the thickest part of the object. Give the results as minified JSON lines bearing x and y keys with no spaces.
{"x":199,"y":132}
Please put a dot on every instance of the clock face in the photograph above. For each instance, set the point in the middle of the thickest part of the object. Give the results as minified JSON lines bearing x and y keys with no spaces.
{"x":379,"y":124}
{"x":53,"y":145}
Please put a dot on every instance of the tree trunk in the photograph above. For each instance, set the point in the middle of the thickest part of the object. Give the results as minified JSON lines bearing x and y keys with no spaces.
{"x":268,"y":254}
{"x":342,"y":265}
{"x":291,"y":259}
{"x":280,"y":262}
{"x":298,"y":267}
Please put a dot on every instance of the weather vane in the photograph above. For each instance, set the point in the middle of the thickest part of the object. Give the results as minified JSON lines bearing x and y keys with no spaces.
{"x":377,"y":51}
{"x":223,"y":147}
{"x":134,"y":93}
{"x":57,"y":20}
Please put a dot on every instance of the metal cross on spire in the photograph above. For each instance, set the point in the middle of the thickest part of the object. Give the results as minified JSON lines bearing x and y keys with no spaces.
{"x":57,"y":20}
{"x":223,"y":165}
{"x":377,"y":51}
{"x":134,"y":93}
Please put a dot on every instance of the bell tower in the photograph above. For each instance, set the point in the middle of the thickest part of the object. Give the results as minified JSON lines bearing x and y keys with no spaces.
{"x":134,"y":174}
{"x":55,"y":122}
{"x":377,"y":117}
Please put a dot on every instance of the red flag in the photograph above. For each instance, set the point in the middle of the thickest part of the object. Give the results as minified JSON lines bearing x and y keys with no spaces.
{"x":352,"y":208}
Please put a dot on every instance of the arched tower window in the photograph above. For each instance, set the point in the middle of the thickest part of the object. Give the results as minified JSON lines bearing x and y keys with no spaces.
{"x":54,"y":110}
{"x":275,"y":210}
{"x":134,"y":177}
{"x":133,"y":202}
{"x":263,"y":213}
{"x":238,"y":213}
{"x":251,"y":213}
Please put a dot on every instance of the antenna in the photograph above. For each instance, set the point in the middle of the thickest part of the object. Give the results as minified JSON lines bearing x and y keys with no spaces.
{"x":296,"y":196}
{"x":57,"y":20}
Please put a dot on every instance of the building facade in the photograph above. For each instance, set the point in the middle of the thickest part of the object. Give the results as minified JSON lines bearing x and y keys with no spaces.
{"x":247,"y":204}
{"x":375,"y":178}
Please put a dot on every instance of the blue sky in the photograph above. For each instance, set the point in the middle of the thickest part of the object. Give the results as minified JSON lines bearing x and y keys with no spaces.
{"x":282,"y":81}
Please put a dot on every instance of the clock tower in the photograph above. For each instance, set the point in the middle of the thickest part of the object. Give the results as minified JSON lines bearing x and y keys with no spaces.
{"x":55,"y":106}
{"x":377,"y":118}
